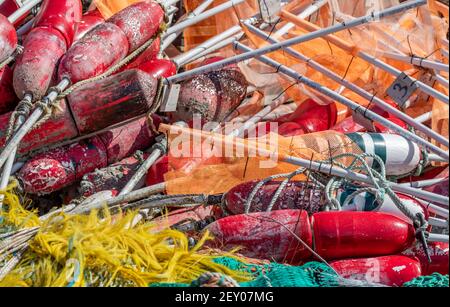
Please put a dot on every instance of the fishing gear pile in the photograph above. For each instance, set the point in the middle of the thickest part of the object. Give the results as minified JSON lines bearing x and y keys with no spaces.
{"x":224,"y":143}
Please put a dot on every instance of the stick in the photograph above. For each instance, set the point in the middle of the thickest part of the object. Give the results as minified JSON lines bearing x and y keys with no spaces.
{"x":434,"y":237}
{"x":438,"y":222}
{"x":192,"y":21}
{"x":130,"y":197}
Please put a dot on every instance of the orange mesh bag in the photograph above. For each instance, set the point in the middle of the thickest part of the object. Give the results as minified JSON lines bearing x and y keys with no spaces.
{"x":336,"y":59}
{"x":411,"y":32}
{"x":109,"y":7}
{"x":214,"y":25}
{"x":244,"y":159}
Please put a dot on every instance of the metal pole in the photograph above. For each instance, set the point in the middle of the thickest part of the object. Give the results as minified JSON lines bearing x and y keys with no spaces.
{"x":187,"y":56}
{"x":23,"y":10}
{"x":424,"y":183}
{"x":305,"y":14}
{"x":434,"y":237}
{"x":171,"y":37}
{"x":347,"y":102}
{"x":191,"y":21}
{"x":296,"y":40}
{"x":308,"y":164}
{"x":363,"y":93}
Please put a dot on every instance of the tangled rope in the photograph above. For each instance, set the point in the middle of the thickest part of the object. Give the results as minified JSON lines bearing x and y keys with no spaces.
{"x":380,"y":185}
{"x":23,"y":109}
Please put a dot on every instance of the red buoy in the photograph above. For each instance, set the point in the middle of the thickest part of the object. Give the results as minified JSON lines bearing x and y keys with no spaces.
{"x":8,"y":38}
{"x":8,"y":98}
{"x":60,"y":167}
{"x":346,"y":234}
{"x":438,"y":252}
{"x":265,"y":235}
{"x":51,"y":36}
{"x":391,"y":271}
{"x":295,"y":195}
{"x":60,"y":127}
{"x":97,"y":51}
{"x":308,"y":118}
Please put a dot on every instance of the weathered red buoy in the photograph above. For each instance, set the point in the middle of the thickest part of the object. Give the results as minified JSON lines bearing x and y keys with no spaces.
{"x":94,"y":53}
{"x":295,"y":195}
{"x":139,"y":21}
{"x":99,"y":104}
{"x":265,"y":235}
{"x":391,"y":271}
{"x":438,"y":252}
{"x":44,"y":46}
{"x":308,"y":118}
{"x":8,"y":38}
{"x":35,"y":67}
{"x":88,"y":21}
{"x":112,"y":178}
{"x":60,"y":167}
{"x":60,"y":127}
{"x":212,"y":95}
{"x":97,"y":51}
{"x":344,"y":234}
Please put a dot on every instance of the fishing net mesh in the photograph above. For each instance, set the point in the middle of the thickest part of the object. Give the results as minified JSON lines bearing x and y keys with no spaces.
{"x":312,"y":274}
{"x":432,"y":281}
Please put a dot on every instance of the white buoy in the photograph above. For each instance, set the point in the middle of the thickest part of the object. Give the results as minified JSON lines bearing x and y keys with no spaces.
{"x":367,"y":202}
{"x":399,"y":155}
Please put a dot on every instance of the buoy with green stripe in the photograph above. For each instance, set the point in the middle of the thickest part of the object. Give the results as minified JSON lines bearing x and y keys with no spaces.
{"x":367,"y":202}
{"x":400,"y":156}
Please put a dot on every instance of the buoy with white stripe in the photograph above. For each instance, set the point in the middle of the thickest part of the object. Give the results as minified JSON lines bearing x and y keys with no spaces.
{"x":367,"y":202}
{"x":400,"y":156}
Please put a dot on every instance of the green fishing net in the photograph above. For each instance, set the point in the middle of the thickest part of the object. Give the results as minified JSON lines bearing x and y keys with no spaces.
{"x":312,"y":274}
{"x":434,"y":280}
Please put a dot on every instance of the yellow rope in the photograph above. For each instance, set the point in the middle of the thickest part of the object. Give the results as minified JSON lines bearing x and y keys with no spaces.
{"x":101,"y":250}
